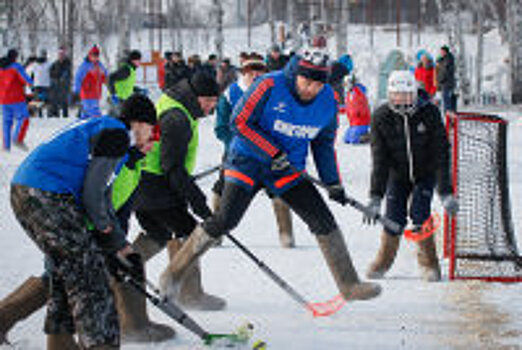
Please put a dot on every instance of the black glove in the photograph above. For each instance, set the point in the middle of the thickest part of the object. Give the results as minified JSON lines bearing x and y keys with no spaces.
{"x":198,"y":203}
{"x":374,"y":209}
{"x":337,"y":194}
{"x":134,"y":156}
{"x":280,"y":162}
{"x":130,"y":265}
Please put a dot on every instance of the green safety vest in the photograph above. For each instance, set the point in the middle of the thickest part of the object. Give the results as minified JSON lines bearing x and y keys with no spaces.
{"x":125,"y":184}
{"x":125,"y":88}
{"x":152,"y":162}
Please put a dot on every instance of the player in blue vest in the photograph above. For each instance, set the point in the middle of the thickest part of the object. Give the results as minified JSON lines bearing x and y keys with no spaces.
{"x":56,"y":187}
{"x":252,"y":67}
{"x":275,"y":122}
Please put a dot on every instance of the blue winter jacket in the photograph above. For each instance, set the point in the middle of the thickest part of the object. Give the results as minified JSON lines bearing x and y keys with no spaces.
{"x":226,"y":104}
{"x":270,"y":118}
{"x":60,"y":164}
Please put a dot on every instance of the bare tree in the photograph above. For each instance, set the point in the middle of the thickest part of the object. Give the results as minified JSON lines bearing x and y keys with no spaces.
{"x":479,"y":7}
{"x":123,"y":28}
{"x":101,"y":22}
{"x":217,"y":14}
{"x":514,"y":28}
{"x":342,"y":11}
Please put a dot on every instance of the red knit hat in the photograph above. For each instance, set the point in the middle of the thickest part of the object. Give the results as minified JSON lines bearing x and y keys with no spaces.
{"x":95,"y":50}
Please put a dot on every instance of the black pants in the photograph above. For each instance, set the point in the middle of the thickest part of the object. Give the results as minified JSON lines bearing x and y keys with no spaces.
{"x":161,"y":224}
{"x":406,"y":199}
{"x":56,"y":106}
{"x":303,"y":199}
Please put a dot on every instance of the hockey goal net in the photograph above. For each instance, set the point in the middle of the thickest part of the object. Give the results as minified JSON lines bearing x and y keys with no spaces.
{"x":480,"y":240}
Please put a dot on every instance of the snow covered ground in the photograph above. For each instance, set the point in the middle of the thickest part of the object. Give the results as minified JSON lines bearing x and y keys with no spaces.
{"x":410,"y":314}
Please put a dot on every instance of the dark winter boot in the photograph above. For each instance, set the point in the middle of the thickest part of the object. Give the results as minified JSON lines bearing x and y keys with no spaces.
{"x":428,"y":261}
{"x":385,"y":257}
{"x":182,"y":260}
{"x":134,"y":322}
{"x":25,"y":300}
{"x":104,"y":347}
{"x":64,"y":341}
{"x":284,"y":223}
{"x":191,"y":294}
{"x":338,"y":259}
{"x":132,"y":307}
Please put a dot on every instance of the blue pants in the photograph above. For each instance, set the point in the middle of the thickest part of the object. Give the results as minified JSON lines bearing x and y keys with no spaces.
{"x":90,"y":108}
{"x":354,"y":133}
{"x":449,"y":100}
{"x":10,"y":113}
{"x":418,"y":196}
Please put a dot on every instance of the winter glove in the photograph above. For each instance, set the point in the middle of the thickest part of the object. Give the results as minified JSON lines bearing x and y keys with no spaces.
{"x":337,"y":194}
{"x":130,"y":265}
{"x":450,"y":204}
{"x":374,"y":209}
{"x":198,"y":203}
{"x":280,"y":162}
{"x":134,"y":156}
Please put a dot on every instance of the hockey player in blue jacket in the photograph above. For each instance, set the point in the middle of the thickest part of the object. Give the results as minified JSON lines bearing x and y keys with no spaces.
{"x":275,"y":122}
{"x":251,"y":68}
{"x":59,"y":185}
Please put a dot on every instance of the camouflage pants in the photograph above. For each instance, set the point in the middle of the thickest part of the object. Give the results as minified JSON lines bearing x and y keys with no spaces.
{"x":81,"y":299}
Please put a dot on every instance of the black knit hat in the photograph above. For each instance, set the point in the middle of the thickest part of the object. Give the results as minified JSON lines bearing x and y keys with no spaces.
{"x":139,"y":108}
{"x":204,"y":85}
{"x":134,"y":55}
{"x":12,"y":55}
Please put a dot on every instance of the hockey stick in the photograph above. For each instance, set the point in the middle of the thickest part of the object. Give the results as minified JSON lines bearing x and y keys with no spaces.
{"x":317,"y":309}
{"x":207,"y":172}
{"x":428,"y":228}
{"x":389,"y":224}
{"x":180,"y":316}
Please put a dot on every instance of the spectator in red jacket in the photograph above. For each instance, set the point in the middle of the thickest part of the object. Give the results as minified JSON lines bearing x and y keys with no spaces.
{"x":425,"y":75}
{"x":88,"y":83}
{"x":161,"y":69}
{"x":358,"y":113}
{"x":13,"y":79}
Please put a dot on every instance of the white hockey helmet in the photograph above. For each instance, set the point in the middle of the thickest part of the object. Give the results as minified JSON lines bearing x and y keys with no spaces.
{"x":402,"y":92}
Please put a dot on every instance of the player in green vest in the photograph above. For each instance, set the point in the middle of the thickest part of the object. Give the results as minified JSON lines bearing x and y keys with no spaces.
{"x":123,"y":80}
{"x":167,"y":191}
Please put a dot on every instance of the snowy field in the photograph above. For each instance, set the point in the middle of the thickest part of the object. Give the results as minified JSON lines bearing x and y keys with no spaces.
{"x":410,"y":314}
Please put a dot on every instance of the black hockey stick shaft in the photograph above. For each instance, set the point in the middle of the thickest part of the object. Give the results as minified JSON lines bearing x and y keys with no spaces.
{"x":168,"y":307}
{"x":207,"y":172}
{"x":268,"y":271}
{"x":389,"y":224}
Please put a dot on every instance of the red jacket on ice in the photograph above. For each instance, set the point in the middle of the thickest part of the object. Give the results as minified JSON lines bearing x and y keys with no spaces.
{"x":426,"y":76}
{"x":89,"y":79}
{"x":357,"y":107}
{"x":13,"y":79}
